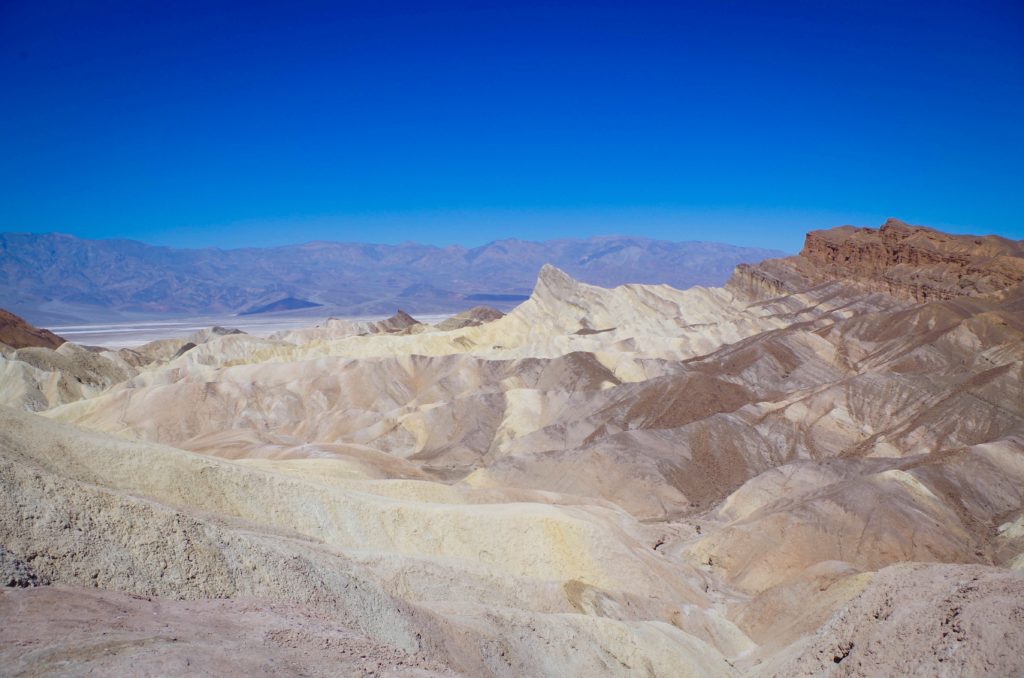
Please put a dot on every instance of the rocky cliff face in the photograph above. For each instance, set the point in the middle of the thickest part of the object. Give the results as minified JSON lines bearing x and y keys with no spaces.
{"x":912,"y":263}
{"x":916,"y":263}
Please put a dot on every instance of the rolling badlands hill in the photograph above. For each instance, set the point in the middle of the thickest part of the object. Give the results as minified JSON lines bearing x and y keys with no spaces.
{"x":817,"y":469}
{"x":52,"y":277}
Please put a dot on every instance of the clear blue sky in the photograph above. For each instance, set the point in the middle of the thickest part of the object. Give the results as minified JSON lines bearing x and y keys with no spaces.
{"x":207,"y":123}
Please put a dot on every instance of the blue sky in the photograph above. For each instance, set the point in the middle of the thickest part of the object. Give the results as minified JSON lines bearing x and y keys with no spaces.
{"x":220,"y":124}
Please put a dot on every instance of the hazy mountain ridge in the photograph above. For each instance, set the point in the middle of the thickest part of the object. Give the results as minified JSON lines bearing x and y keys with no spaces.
{"x":47,"y":276}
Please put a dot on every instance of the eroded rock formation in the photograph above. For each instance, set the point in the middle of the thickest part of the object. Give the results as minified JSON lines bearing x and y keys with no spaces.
{"x":818,"y":468}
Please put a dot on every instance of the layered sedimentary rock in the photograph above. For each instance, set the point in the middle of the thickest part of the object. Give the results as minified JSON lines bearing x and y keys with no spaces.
{"x":910,"y":262}
{"x":628,"y":481}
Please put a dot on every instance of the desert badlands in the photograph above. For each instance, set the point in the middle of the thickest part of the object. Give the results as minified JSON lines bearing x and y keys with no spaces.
{"x":817,"y":469}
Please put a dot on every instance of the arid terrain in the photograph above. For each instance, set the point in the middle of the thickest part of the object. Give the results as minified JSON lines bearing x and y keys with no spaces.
{"x":816,"y":469}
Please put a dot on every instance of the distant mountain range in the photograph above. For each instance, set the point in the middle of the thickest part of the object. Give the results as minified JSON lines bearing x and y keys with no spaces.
{"x":54,"y":277}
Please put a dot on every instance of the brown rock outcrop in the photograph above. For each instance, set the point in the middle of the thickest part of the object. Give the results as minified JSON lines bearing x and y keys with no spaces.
{"x":909,"y":262}
{"x":915,"y":262}
{"x":16,"y":332}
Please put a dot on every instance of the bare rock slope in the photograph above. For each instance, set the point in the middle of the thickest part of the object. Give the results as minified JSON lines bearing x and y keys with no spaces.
{"x":15,"y":332}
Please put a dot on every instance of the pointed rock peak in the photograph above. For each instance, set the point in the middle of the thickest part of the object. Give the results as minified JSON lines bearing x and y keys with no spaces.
{"x":553,"y":280}
{"x":400,"y":321}
{"x":403,"y":318}
{"x":552,"y":271}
